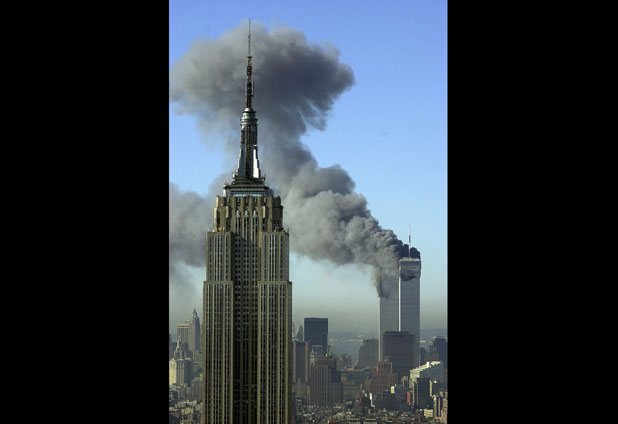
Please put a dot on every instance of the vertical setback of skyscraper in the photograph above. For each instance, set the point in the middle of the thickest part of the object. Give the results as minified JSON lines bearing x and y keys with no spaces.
{"x":247,"y":296}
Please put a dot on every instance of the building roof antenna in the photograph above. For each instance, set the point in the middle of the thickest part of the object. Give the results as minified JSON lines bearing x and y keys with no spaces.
{"x":409,"y":240}
{"x":249,"y":83}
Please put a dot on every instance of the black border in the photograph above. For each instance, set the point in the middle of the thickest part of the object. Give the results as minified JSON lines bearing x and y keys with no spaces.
{"x":102,"y":235}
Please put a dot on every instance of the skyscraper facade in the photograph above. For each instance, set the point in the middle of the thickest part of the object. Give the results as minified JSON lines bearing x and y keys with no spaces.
{"x":195,"y":341}
{"x":399,"y":304}
{"x":431,"y":370}
{"x":247,"y":343}
{"x":316,"y":333}
{"x":182,"y":331}
{"x":180,"y":367}
{"x":172,"y":346}
{"x":409,"y":302}
{"x":421,"y":394}
{"x":368,"y":353}
{"x":423,"y":356}
{"x":440,"y":408}
{"x":189,"y":332}
{"x":326,"y":387}
{"x":399,"y":349}
{"x":181,"y":350}
{"x":389,"y":308}
{"x":300,"y":361}
{"x":438,"y":351}
{"x":383,"y":377}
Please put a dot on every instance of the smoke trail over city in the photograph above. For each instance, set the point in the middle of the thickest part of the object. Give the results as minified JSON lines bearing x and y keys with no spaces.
{"x":296,"y":85}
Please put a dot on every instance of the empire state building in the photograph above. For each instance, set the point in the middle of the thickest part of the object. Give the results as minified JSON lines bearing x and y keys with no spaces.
{"x":247,"y":296}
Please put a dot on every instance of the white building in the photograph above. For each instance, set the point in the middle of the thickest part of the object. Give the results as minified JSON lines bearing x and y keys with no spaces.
{"x":432,"y":370}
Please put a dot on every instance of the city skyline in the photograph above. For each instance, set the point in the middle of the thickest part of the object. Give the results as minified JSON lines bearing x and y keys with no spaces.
{"x":343,"y":293}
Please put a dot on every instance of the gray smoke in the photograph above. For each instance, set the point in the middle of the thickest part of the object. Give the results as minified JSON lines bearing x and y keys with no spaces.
{"x":296,"y":85}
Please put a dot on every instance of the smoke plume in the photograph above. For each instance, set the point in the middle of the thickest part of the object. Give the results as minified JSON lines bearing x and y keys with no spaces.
{"x":296,"y":85}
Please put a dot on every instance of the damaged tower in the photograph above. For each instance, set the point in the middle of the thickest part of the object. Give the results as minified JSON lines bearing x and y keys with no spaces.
{"x":389,"y":308}
{"x":399,"y":304}
{"x":247,"y":335}
{"x":410,"y":302}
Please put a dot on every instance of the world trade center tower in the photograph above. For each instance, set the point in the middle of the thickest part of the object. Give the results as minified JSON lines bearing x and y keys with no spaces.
{"x":399,"y":304}
{"x":247,"y":296}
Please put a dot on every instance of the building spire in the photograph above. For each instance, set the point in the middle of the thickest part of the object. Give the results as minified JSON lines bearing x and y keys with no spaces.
{"x":248,"y":169}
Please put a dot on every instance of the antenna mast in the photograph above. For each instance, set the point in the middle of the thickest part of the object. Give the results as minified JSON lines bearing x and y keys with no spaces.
{"x":409,"y":240}
{"x":249,"y":83}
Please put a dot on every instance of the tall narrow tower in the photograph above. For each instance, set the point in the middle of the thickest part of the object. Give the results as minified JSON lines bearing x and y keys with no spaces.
{"x":388,"y":307}
{"x":399,"y":303}
{"x":410,"y":297}
{"x":410,"y":303}
{"x":195,"y":342}
{"x":247,"y":295}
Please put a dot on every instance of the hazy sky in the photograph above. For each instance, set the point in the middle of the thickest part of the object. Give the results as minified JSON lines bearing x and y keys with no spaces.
{"x":388,"y":131}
